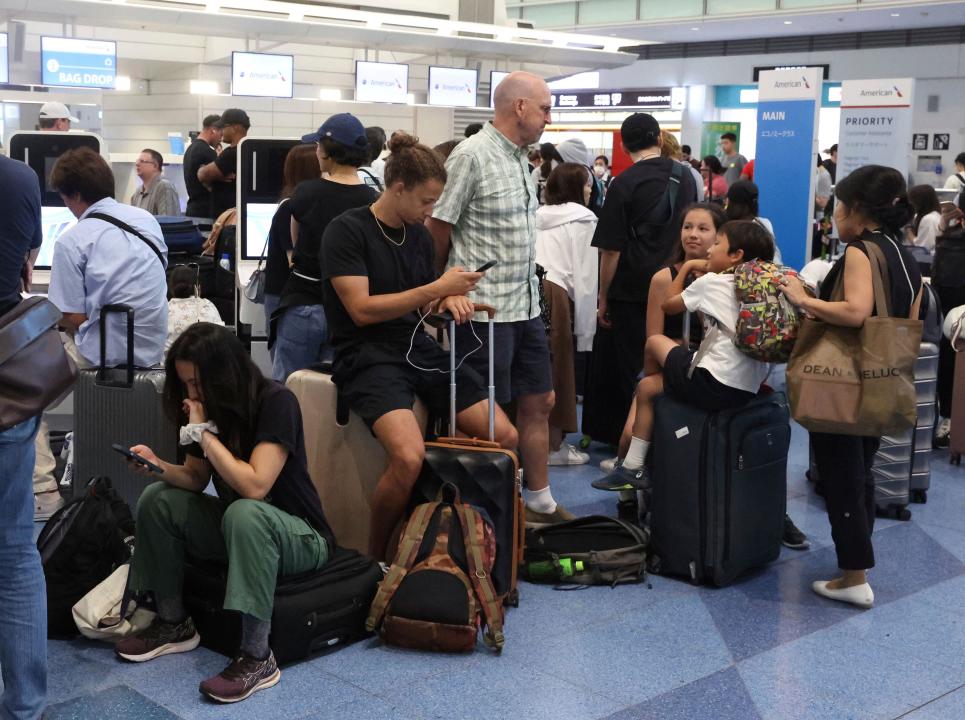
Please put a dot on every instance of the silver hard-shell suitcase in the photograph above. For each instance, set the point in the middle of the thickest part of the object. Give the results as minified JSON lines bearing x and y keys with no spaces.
{"x":119,"y":405}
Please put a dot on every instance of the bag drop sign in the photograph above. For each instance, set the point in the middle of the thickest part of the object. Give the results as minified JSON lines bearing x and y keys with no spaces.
{"x":73,"y":62}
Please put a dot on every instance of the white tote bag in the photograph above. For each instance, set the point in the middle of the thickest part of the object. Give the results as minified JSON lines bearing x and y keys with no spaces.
{"x":98,"y":613}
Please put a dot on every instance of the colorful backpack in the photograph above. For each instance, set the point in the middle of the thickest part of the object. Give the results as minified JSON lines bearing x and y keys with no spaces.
{"x":438,"y":593}
{"x":767,"y":322}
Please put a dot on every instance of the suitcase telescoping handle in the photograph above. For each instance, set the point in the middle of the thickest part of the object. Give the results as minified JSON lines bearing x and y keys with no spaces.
{"x":102,"y":374}
{"x":491,"y":313}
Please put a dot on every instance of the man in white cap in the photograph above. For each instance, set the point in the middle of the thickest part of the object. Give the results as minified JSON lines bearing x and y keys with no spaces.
{"x":55,"y":116}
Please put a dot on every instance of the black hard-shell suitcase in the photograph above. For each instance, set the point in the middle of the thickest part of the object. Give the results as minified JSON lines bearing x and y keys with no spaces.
{"x":488,"y":478}
{"x":314,"y":613}
{"x":719,"y":488}
{"x":119,"y":405}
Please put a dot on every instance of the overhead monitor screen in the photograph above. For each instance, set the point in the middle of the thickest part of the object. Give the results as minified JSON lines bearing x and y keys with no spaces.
{"x":261,"y":75}
{"x":55,"y":221}
{"x":73,"y":62}
{"x":454,"y":87}
{"x":495,"y":77}
{"x":381,"y":82}
{"x":4,"y":60}
{"x":258,"y":218}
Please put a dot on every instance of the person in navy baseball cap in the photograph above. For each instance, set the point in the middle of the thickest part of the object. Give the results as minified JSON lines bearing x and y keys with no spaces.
{"x":344,"y":129}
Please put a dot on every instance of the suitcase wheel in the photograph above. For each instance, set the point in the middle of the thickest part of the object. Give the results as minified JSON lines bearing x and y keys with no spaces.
{"x":955,"y":458}
{"x":919,"y":496}
{"x":512,"y":598}
{"x":903,"y":514}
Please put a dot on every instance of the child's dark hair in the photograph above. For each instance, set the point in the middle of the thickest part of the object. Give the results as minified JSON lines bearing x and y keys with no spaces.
{"x":182,"y":281}
{"x":717,"y":217}
{"x":878,"y":193}
{"x":750,"y":237}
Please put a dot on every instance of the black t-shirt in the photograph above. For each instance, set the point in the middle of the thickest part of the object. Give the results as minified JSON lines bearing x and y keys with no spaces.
{"x":636,"y":195}
{"x":355,"y":246}
{"x":315,"y":204}
{"x":279,"y":421}
{"x":21,"y":230}
{"x":904,"y":276}
{"x":223,"y":193}
{"x":199,"y":197}
{"x":279,"y":243}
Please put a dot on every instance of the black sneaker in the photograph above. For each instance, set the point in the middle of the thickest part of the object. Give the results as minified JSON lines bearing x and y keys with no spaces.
{"x":793,"y":537}
{"x":623,"y":479}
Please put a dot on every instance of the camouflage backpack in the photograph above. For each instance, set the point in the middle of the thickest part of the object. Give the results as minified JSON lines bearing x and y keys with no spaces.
{"x":767,"y":322}
{"x":438,"y":593}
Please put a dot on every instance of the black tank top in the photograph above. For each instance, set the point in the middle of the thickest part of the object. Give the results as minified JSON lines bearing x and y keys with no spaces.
{"x":673,"y":325}
{"x":904,"y":277}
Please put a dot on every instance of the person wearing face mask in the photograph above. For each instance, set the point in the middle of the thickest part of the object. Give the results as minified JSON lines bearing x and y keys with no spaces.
{"x":601,"y":168}
{"x":564,"y":232}
{"x":299,"y":334}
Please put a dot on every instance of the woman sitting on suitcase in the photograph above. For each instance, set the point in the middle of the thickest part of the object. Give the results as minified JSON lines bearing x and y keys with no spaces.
{"x":724,"y":377}
{"x":245,"y":433}
{"x":379,"y":285}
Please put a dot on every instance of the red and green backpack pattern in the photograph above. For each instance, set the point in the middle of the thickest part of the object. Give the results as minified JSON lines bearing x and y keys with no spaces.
{"x":767,"y":322}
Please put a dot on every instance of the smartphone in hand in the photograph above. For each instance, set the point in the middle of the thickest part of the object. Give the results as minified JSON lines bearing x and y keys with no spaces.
{"x":134,"y":457}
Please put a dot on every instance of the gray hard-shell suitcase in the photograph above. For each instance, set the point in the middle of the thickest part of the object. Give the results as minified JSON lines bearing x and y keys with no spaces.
{"x":119,"y":405}
{"x":719,"y":488}
{"x":902,"y":465}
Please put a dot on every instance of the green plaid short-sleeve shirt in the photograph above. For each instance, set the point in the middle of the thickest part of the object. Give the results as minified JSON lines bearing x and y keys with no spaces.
{"x":490,"y":201}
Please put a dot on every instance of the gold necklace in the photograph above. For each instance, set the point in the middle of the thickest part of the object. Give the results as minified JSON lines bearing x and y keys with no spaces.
{"x":385,"y":234}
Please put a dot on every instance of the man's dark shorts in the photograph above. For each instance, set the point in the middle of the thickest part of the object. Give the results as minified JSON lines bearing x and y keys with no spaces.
{"x":378,"y":380}
{"x":521,"y":357}
{"x":702,"y":390}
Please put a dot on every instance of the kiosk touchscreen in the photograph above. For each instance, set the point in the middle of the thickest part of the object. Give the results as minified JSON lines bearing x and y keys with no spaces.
{"x":40,"y":150}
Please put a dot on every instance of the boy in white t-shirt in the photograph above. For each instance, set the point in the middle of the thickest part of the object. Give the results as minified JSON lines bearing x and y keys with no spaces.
{"x":724,"y":377}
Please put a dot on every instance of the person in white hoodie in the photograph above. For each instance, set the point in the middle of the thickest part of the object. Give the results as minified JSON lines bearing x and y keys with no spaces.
{"x":564,"y":229}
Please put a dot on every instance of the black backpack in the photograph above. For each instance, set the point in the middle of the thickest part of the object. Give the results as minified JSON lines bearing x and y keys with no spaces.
{"x":81,"y":544}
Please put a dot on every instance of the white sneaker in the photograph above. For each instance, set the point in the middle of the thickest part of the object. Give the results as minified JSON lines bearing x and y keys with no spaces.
{"x":942,"y":432}
{"x":608,"y":464}
{"x":46,"y":504}
{"x":568,"y":455}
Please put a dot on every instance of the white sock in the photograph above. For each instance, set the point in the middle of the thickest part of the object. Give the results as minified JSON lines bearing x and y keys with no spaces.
{"x":637,"y":454}
{"x":540,"y":501}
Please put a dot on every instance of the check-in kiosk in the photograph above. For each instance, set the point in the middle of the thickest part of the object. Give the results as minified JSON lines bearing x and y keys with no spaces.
{"x":40,"y":150}
{"x":261,"y":163}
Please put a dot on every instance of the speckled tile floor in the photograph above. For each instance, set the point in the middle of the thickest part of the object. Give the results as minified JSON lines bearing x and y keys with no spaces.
{"x":764,"y":648}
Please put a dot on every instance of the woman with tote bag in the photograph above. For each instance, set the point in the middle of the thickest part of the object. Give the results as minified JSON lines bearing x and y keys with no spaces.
{"x":872,"y":289}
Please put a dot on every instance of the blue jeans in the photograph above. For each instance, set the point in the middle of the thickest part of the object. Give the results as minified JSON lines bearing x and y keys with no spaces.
{"x":301,"y":340}
{"x":23,"y":595}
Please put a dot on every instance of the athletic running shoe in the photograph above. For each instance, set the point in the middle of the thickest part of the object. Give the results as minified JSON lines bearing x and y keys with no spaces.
{"x":244,"y":676}
{"x":608,"y":464}
{"x":158,"y":638}
{"x":568,"y":455}
{"x":793,"y":537}
{"x":623,"y":478}
{"x":942,"y":432}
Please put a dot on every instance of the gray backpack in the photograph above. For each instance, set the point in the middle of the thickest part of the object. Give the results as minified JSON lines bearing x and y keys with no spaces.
{"x":593,"y":550}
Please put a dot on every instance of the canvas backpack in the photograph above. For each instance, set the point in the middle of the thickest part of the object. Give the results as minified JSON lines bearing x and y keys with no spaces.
{"x":593,"y":550}
{"x":80,"y":545}
{"x":767,"y":322}
{"x":438,"y":593}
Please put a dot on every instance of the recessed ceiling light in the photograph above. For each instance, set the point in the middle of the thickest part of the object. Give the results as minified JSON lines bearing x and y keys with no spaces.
{"x":895,"y":14}
{"x":696,"y":28}
{"x":788,"y":22}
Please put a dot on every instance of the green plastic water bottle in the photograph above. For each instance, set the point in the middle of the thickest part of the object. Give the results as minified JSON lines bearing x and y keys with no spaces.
{"x":547,"y":569}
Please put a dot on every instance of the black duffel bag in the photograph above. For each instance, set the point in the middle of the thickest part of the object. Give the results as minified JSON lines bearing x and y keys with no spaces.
{"x":948,"y":265}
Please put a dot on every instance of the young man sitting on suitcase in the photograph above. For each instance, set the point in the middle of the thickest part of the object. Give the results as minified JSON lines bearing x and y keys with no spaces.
{"x":379,"y":284}
{"x":723,"y":377}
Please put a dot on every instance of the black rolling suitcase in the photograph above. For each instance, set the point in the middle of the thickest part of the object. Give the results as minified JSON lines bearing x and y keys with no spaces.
{"x":119,"y":405}
{"x":314,"y":613}
{"x":488,"y":478}
{"x":719,"y":488}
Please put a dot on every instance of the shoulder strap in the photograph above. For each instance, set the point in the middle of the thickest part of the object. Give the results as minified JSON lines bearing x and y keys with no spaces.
{"x":415,"y":531}
{"x":879,"y":273}
{"x":375,"y":178}
{"x":961,"y":178}
{"x":671,"y":192}
{"x":481,"y":582}
{"x":264,"y":249}
{"x":128,"y":229}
